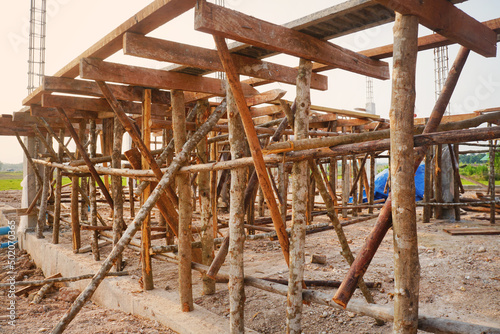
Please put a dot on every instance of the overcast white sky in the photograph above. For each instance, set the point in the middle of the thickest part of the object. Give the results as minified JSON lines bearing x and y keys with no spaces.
{"x":74,"y":25}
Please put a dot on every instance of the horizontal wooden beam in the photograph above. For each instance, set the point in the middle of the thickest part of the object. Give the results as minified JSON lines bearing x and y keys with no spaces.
{"x":148,"y":19}
{"x":97,"y":105}
{"x":37,"y":110}
{"x":424,"y":43}
{"x":228,"y":23}
{"x":96,"y":69}
{"x":173,"y":52}
{"x":444,"y":18}
{"x":90,"y":88}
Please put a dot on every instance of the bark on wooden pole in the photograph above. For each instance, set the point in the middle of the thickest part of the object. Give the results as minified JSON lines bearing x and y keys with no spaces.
{"x":404,"y":222}
{"x":427,"y":211}
{"x":93,"y":194}
{"x":492,"y":180}
{"x":300,"y":180}
{"x":239,"y":149}
{"x":185,"y":205}
{"x":438,"y":184}
{"x":179,"y":160}
{"x":117,"y":188}
{"x":372,"y":181}
{"x":75,"y":217}
{"x":254,"y":144}
{"x":146,"y":265}
{"x":384,"y":221}
{"x":207,"y":229}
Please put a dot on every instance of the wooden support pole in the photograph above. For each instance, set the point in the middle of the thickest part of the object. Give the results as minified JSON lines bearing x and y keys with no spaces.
{"x":75,"y":217}
{"x":57,"y":195}
{"x":179,"y":160}
{"x":254,"y":144}
{"x":117,"y":187}
{"x":354,"y":188}
{"x":427,"y":211}
{"x":438,"y":181}
{"x":492,"y":180}
{"x":346,"y":172}
{"x":131,"y":199}
{"x":185,"y":205}
{"x":366,"y":253}
{"x":146,"y":265}
{"x":84,"y":155}
{"x":93,"y":193}
{"x":406,"y":262}
{"x":239,"y":149}
{"x":371,"y":196}
{"x":300,"y":180}
{"x":207,"y":229}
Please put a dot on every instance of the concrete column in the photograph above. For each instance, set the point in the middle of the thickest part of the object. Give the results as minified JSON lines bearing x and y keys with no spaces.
{"x":29,"y":190}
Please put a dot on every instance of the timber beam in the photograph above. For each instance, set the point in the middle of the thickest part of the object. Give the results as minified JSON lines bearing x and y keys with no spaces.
{"x":173,"y":52}
{"x":444,"y":18}
{"x":228,"y":23}
{"x":99,"y":70}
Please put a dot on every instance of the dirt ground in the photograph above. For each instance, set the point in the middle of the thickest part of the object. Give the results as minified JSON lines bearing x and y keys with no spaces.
{"x":460,"y":280}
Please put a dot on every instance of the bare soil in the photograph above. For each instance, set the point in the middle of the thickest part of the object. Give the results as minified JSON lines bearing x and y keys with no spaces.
{"x":460,"y":280}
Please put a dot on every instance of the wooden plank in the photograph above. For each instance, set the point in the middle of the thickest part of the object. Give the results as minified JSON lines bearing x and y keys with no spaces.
{"x":446,"y":119}
{"x":173,"y":52}
{"x":97,"y":105}
{"x":99,"y":70}
{"x":232,"y":24}
{"x":472,"y":231}
{"x":444,"y":18}
{"x":90,"y":88}
{"x":424,"y":43}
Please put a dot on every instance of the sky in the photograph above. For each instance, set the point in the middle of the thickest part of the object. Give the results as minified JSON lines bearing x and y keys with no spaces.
{"x":74,"y":25}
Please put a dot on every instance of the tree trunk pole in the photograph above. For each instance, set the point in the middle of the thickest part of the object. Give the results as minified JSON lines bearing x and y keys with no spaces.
{"x":239,"y":149}
{"x":207,"y":229}
{"x":93,"y":194}
{"x":438,"y":185}
{"x":300,"y":178}
{"x":185,"y":205}
{"x":372,"y":181}
{"x":117,"y":188}
{"x":147,"y":270}
{"x":75,"y":218}
{"x":492,"y":180}
{"x":384,"y":221}
{"x":427,"y":211}
{"x":57,"y":199}
{"x":406,"y":262}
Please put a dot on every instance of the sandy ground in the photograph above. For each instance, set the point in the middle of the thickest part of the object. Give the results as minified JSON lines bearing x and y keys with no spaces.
{"x":460,"y":280}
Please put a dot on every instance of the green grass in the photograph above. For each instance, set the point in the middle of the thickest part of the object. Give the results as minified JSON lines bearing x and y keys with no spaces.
{"x":12,"y":180}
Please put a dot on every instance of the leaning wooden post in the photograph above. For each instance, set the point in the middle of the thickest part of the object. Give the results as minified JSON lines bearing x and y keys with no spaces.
{"x":93,"y":193}
{"x":185,"y":205}
{"x":492,"y":180}
{"x":166,"y":180}
{"x":147,"y":270}
{"x":254,"y":143}
{"x":117,"y":188}
{"x":57,"y":199}
{"x":366,"y":253}
{"x":82,"y":127}
{"x":207,"y":229}
{"x":42,"y":213}
{"x":404,"y":222}
{"x":300,"y":178}
{"x":239,"y":149}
